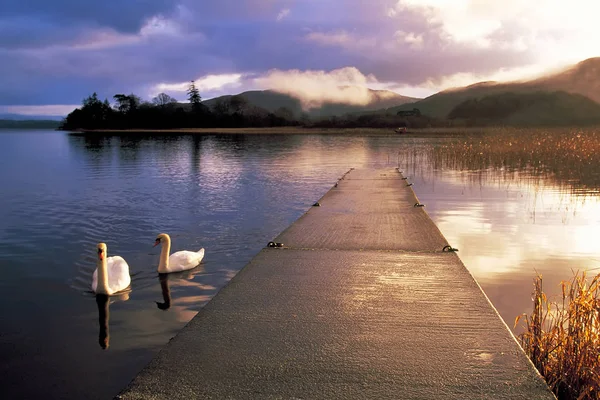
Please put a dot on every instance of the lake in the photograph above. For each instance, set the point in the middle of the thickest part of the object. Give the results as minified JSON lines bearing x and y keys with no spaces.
{"x":231,"y":194}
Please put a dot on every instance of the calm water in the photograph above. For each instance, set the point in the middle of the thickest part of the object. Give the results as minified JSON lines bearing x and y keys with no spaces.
{"x":62,"y":194}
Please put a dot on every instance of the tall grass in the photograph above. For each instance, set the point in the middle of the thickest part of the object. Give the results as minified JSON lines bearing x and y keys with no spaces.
{"x":562,"y":339}
{"x":569,"y":157}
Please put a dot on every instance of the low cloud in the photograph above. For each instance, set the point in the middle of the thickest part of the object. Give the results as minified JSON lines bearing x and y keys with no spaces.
{"x":410,"y":38}
{"x":314,"y":88}
{"x":49,"y":110}
{"x":341,"y":39}
{"x":283,"y":13}
{"x":205,"y":84}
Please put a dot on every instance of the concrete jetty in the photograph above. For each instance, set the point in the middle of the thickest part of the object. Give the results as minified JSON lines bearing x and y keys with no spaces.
{"x":360,"y":303}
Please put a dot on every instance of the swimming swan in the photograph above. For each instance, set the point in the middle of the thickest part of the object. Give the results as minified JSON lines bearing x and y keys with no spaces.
{"x":111,"y":274}
{"x":176,"y":262}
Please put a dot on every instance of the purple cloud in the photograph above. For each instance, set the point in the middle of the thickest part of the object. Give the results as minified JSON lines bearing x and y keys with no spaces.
{"x":59,"y":52}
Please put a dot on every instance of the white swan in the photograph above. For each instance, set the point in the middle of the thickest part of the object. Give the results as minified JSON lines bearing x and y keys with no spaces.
{"x":111,"y":274}
{"x":176,"y":262}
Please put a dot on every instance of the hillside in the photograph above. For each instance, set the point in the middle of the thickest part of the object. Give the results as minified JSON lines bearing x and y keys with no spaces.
{"x":582,"y":79}
{"x":528,"y":109}
{"x":273,"y":101}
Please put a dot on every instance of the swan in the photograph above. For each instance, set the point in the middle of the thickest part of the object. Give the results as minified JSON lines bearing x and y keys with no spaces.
{"x":176,"y":262}
{"x":111,"y":274}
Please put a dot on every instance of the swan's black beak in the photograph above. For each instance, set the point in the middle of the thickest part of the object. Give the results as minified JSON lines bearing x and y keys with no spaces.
{"x":100,"y":254}
{"x":156,"y":242}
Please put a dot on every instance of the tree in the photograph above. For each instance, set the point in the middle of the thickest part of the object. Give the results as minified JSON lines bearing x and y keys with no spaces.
{"x":163,"y":99}
{"x":93,"y":114}
{"x":127,"y":103}
{"x":194,"y":96}
{"x":91,"y":101}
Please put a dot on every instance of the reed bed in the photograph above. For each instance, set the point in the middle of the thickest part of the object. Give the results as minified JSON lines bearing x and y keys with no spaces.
{"x":569,"y":157}
{"x":562,"y":338}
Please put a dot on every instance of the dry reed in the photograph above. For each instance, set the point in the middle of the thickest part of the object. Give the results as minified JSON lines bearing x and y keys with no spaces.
{"x":562,"y":339}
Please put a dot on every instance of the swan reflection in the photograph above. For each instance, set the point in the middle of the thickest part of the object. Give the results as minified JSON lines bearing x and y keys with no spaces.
{"x":180,"y":279}
{"x":103,"y":302}
{"x":166,"y":292}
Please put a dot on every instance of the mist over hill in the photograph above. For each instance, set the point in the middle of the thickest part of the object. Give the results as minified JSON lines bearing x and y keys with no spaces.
{"x":273,"y":101}
{"x":582,"y":79}
{"x":569,"y":97}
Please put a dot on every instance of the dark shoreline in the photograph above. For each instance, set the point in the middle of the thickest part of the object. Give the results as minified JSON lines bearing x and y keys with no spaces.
{"x":279,"y":131}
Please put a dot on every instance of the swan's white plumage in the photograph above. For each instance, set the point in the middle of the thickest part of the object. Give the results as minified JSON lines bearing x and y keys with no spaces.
{"x":118,"y":275}
{"x":184,"y":260}
{"x":178,"y":261}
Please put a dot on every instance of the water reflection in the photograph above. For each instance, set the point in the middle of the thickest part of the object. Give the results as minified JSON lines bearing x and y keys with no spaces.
{"x":166,"y":292}
{"x":103,"y":302}
{"x":195,"y":283}
{"x":511,"y":214}
{"x":103,"y":316}
{"x":231,"y":195}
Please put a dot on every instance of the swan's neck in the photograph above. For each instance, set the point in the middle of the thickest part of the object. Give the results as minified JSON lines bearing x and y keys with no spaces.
{"x":102,"y":276}
{"x":163,"y":263}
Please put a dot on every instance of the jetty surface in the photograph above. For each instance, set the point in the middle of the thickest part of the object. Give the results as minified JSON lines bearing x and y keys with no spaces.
{"x":360,"y":303}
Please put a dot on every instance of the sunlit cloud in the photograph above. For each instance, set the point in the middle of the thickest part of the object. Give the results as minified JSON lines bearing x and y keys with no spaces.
{"x":527,"y":72}
{"x":413,"y":40}
{"x":313,"y":88}
{"x":556,"y":30}
{"x":340,"y":38}
{"x":205,"y":83}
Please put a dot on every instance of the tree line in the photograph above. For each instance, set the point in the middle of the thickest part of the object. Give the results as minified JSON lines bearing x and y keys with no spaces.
{"x":165,"y":112}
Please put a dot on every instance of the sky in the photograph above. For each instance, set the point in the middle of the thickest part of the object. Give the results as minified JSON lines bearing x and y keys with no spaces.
{"x":55,"y":53}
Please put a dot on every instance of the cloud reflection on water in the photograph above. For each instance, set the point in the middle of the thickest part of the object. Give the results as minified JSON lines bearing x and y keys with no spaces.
{"x":509,"y":226}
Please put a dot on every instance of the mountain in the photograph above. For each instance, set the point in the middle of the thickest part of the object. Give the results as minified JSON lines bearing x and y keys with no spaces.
{"x":541,"y":108}
{"x":581,"y":79}
{"x":273,"y":101}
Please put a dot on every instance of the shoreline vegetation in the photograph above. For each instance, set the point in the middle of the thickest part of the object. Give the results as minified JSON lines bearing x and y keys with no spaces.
{"x":562,"y":338}
{"x":282,"y":130}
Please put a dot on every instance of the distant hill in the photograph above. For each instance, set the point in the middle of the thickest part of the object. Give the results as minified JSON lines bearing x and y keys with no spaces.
{"x":28,"y":124}
{"x":273,"y":101}
{"x":528,"y":109}
{"x":582,"y":79}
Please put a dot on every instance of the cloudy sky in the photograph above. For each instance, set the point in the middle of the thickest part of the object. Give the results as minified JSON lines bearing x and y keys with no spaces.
{"x":56,"y":52}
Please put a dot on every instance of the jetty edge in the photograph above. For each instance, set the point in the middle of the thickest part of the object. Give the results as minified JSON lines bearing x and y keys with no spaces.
{"x":359,"y":303}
